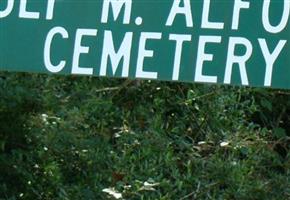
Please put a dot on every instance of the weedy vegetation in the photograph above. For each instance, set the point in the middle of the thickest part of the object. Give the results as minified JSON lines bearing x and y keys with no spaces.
{"x":99,"y":138}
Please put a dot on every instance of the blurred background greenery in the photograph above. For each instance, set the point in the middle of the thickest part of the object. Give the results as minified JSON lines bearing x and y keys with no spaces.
{"x":69,"y":137}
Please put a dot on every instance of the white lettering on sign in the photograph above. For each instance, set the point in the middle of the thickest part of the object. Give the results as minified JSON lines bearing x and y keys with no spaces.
{"x":23,"y":10}
{"x":235,"y":59}
{"x":202,"y":57}
{"x":117,"y":6}
{"x":239,"y":4}
{"x":143,"y":53}
{"x":222,"y":41}
{"x":50,"y":9}
{"x":23,"y":13}
{"x":205,"y":23}
{"x":266,"y":17}
{"x":47,"y":49}
{"x":79,"y":49}
{"x":184,"y":10}
{"x":8,"y":9}
{"x":180,"y":39}
{"x":270,"y":58}
{"x":116,"y":57}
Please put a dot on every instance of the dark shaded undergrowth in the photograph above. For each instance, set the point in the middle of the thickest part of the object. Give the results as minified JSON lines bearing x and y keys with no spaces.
{"x":90,"y":138}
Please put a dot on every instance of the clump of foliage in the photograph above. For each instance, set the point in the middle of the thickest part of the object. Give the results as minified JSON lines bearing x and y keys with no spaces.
{"x":91,"y":138}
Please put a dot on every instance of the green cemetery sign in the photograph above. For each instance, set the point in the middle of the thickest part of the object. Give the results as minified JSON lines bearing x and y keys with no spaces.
{"x":239,"y":42}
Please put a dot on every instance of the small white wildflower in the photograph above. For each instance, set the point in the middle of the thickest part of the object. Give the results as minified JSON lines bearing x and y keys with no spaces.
{"x":113,"y":192}
{"x":126,"y":187}
{"x":224,"y":144}
{"x":201,"y":143}
{"x":44,"y":117}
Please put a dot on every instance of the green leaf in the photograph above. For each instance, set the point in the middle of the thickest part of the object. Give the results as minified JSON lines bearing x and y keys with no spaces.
{"x":2,"y":145}
{"x":279,"y":133}
{"x":267,"y":104}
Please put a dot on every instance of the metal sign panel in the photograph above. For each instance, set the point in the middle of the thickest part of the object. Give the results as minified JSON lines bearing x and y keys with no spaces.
{"x":238,"y":42}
